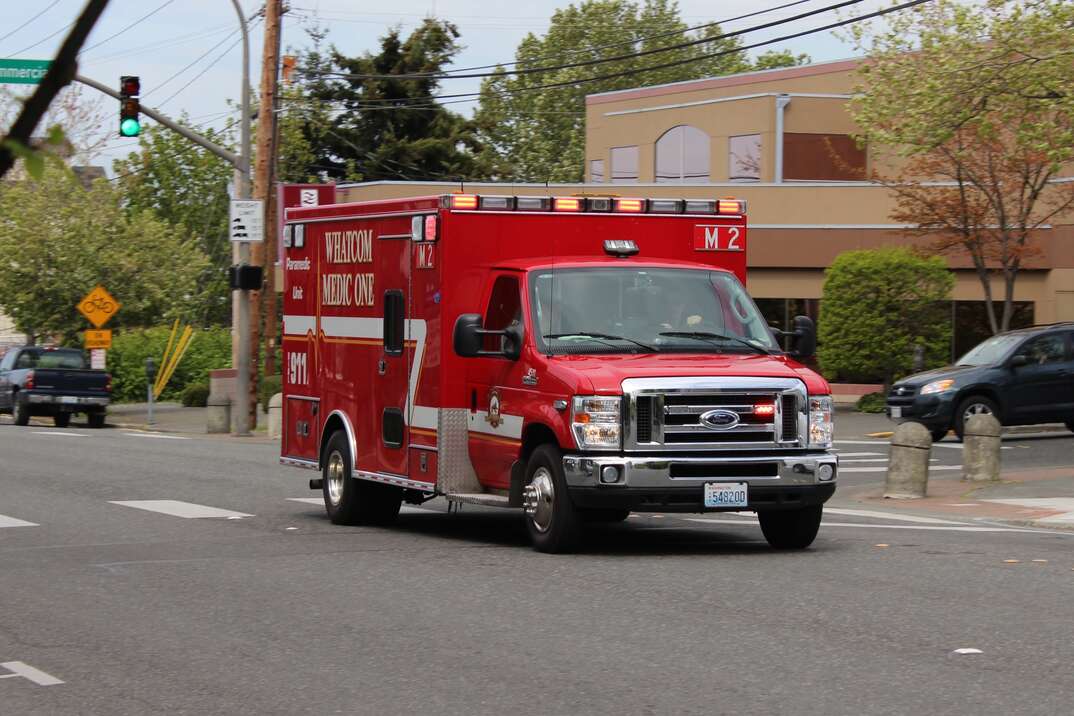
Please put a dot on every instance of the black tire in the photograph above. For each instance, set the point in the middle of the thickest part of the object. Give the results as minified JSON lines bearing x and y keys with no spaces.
{"x":551,"y":519}
{"x":95,"y":419}
{"x":791,"y":529}
{"x":607,"y":515}
{"x":939,"y":434}
{"x":21,"y":412}
{"x":61,"y":420}
{"x":1070,"y":425}
{"x":972,"y":405}
{"x":350,"y":501}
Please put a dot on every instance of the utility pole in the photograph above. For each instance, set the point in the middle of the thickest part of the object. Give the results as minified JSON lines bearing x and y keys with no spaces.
{"x":240,"y":301}
{"x":264,"y":254}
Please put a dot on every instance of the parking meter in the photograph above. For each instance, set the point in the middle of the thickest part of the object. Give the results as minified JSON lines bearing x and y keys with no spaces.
{"x":150,"y":377}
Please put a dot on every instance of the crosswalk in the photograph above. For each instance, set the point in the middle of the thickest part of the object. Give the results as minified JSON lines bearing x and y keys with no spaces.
{"x":853,"y":459}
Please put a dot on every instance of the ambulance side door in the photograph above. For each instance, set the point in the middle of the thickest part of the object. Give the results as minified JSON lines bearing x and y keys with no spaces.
{"x":393,"y":364}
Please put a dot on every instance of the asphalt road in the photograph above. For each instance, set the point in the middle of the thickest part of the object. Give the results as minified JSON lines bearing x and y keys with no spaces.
{"x":279,"y":612}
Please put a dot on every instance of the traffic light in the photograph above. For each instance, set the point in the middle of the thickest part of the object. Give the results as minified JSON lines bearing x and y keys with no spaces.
{"x":129,"y":89}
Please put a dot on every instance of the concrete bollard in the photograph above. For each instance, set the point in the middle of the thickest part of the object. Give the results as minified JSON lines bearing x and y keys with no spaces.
{"x":275,"y":415}
{"x":980,"y":454}
{"x":908,"y":468}
{"x":218,"y":414}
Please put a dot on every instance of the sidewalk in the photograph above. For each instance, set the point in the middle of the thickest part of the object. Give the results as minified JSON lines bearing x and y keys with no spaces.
{"x":1031,"y":498}
{"x":170,"y":418}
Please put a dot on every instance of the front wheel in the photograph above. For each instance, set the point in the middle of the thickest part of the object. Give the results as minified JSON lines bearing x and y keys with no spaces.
{"x":95,"y":419}
{"x":973,"y":405}
{"x":21,"y":413}
{"x":61,"y":420}
{"x":551,"y":519}
{"x":791,"y":529}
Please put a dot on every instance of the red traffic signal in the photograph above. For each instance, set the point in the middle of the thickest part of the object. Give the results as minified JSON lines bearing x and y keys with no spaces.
{"x":130,"y":86}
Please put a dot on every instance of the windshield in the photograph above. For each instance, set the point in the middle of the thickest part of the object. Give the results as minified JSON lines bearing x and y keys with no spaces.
{"x":632,"y":310}
{"x":991,"y":351}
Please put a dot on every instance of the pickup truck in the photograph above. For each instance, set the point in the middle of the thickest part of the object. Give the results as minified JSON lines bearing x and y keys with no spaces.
{"x":36,"y":380}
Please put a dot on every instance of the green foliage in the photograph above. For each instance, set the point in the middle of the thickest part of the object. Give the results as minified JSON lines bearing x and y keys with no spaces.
{"x":58,"y":240}
{"x":270,"y":385}
{"x":209,"y":349}
{"x":418,"y":140}
{"x":872,"y":403}
{"x":876,"y":307}
{"x":195,"y":395}
{"x":539,"y":135}
{"x":186,"y":185}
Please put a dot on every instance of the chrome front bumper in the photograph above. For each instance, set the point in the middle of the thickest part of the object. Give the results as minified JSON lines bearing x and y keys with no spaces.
{"x":656,"y":472}
{"x":44,"y":399}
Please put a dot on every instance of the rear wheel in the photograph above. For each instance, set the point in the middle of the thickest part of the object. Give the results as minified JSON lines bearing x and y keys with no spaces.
{"x":95,"y":419}
{"x":1070,"y":425}
{"x":551,"y":520}
{"x":350,"y":501}
{"x":21,"y":412}
{"x":973,"y":405}
{"x":791,"y":529}
{"x":604,"y":515}
{"x":61,"y":420}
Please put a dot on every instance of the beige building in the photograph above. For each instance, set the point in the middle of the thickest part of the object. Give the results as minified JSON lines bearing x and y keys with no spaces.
{"x":768,"y":137}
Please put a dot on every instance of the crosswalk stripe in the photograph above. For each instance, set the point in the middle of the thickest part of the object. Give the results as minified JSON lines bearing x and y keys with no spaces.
{"x":177,"y":508}
{"x":59,"y":433}
{"x":857,"y":454}
{"x":158,"y":436}
{"x":887,"y":516}
{"x":946,"y":528}
{"x":308,"y":500}
{"x":6,"y":521}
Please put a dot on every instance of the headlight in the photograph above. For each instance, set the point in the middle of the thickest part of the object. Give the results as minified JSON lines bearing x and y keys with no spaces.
{"x":820,"y":422}
{"x":597,"y":422}
{"x":937,"y":386}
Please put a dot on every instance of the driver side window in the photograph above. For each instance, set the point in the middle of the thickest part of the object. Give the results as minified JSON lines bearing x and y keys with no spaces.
{"x":1044,"y":350}
{"x":26,"y":359}
{"x":504,"y":308}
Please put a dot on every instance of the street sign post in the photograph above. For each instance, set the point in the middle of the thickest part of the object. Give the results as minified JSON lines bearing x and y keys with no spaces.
{"x":98,"y":306}
{"x":101,"y":338}
{"x":23,"y":72}
{"x":247,"y":220}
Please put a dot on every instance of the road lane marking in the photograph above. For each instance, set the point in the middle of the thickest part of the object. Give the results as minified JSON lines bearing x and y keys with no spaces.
{"x":59,"y":433}
{"x":19,"y":668}
{"x":308,"y":500}
{"x":944,"y":528}
{"x":157,"y":436}
{"x":860,"y":442}
{"x":176,"y":508}
{"x":883,"y":469}
{"x":887,"y":516}
{"x":857,"y":454}
{"x":6,"y":521}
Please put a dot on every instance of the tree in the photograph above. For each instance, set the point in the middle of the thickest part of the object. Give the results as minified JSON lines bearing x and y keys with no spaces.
{"x":973,"y":105}
{"x":877,"y":306}
{"x":385,"y":127}
{"x":85,"y":123}
{"x":187,"y":186}
{"x":58,"y":240}
{"x":534,"y":134}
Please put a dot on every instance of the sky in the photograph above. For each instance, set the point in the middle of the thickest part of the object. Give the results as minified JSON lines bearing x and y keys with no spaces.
{"x":189,"y":58}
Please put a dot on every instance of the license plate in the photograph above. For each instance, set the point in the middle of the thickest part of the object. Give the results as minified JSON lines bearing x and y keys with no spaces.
{"x":896,"y":411}
{"x":727,"y":494}
{"x":69,"y":400}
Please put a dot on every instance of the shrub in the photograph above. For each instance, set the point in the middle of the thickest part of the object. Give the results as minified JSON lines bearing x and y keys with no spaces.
{"x":872,"y":403}
{"x":270,"y":385}
{"x":209,"y":349}
{"x":195,"y":395}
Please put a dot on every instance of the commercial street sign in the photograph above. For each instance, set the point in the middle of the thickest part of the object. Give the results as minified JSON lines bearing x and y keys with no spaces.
{"x":100,"y":338}
{"x":247,"y":220}
{"x":98,"y":306}
{"x":23,"y":72}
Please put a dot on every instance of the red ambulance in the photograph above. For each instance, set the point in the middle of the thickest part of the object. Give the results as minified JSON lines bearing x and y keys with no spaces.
{"x":576,"y":358}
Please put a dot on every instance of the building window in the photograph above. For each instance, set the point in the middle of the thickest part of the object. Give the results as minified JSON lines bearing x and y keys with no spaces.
{"x":624,"y":165}
{"x":596,"y":170}
{"x":682,"y":155}
{"x":971,"y":323}
{"x":822,"y":157}
{"x":744,"y":154}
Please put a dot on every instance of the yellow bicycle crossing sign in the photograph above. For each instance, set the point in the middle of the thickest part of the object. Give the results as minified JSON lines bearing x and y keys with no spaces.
{"x":98,"y":306}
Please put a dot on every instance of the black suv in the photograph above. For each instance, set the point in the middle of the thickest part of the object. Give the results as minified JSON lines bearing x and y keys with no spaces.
{"x":1022,"y":377}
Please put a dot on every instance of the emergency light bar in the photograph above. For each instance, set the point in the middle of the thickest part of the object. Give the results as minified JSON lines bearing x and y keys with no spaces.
{"x":592,"y":204}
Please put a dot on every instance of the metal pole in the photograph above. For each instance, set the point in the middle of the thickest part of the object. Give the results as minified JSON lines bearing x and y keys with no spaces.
{"x":241,"y":334}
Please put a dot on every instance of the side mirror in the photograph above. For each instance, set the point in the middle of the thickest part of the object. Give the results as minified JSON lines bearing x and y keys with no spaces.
{"x":1018,"y":361}
{"x":805,"y":338}
{"x":468,"y":338}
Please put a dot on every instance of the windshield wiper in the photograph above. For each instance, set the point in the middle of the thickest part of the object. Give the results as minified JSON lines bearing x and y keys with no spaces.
{"x":712,"y":338}
{"x":601,"y":337}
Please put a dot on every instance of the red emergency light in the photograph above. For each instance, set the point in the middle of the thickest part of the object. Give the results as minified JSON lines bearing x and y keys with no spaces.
{"x":764,"y":410}
{"x":731,"y":206}
{"x":566,"y":203}
{"x":463,"y":201}
{"x":630,"y":206}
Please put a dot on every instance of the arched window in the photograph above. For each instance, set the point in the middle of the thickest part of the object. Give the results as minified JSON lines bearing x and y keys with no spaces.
{"x":682,"y":155}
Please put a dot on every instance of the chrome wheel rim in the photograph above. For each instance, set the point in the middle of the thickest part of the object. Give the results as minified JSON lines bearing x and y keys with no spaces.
{"x":539,"y":498}
{"x":334,"y":477}
{"x":976,"y":409}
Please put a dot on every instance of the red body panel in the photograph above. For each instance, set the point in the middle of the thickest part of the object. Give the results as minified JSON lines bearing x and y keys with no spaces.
{"x":337,"y":366}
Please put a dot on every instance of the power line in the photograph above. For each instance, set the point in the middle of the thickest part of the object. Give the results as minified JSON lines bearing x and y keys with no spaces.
{"x":599,"y":61}
{"x":196,"y":61}
{"x":43,"y":39}
{"x":206,"y":69}
{"x":54,"y":4}
{"x":167,"y":43}
{"x":143,"y":18}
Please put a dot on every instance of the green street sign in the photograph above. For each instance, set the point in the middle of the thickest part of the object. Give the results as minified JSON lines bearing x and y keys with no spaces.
{"x":23,"y":72}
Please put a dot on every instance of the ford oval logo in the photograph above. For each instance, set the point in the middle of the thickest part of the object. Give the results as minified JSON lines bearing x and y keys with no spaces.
{"x":719,"y":419}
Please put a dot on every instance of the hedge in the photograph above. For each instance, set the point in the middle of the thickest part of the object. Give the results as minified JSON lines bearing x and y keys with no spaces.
{"x":209,"y":349}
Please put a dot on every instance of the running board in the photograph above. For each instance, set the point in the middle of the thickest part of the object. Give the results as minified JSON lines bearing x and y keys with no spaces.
{"x":480,"y":498}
